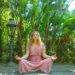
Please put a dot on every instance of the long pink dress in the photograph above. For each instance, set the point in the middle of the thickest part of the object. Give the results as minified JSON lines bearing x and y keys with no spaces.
{"x":35,"y":61}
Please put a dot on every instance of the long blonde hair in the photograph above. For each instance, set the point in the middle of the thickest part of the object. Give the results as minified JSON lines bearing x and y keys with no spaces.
{"x":31,"y":40}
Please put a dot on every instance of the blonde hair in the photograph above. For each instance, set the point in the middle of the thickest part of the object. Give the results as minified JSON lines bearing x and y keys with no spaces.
{"x":31,"y":40}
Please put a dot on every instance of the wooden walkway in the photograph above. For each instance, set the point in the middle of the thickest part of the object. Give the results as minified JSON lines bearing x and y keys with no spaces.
{"x":58,"y":69}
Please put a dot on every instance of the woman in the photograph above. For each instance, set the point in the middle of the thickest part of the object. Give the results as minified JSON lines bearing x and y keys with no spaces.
{"x":32,"y":60}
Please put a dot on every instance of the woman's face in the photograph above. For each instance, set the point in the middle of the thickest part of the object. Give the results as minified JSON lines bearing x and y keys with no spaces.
{"x":35,"y":35}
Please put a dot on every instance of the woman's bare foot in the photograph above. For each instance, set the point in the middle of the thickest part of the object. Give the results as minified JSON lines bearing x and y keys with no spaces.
{"x":17,"y":57}
{"x":54,"y":57}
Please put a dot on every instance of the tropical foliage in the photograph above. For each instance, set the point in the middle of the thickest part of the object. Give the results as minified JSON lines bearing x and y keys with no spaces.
{"x":51,"y":18}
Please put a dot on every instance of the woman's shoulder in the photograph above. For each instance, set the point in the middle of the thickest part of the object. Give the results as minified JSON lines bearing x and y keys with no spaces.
{"x":43,"y":45}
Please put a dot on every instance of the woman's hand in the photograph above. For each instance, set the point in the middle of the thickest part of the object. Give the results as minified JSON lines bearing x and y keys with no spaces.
{"x":18,"y":58}
{"x":54,"y":57}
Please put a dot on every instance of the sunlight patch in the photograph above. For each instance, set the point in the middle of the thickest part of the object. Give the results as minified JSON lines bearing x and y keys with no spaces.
{"x":72,"y":6}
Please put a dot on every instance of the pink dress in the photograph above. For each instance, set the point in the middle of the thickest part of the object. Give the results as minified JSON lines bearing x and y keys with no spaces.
{"x":35,"y":61}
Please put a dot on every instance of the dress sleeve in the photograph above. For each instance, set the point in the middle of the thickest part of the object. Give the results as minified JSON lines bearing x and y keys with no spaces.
{"x":43,"y":46}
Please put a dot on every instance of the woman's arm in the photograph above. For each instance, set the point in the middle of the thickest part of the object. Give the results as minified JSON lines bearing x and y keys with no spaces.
{"x":54,"y":57}
{"x":27,"y":52}
{"x":44,"y":54}
{"x":26,"y":55}
{"x":23,"y":57}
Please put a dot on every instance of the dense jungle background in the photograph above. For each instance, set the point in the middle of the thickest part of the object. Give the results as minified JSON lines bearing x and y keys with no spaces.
{"x":52,"y":18}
